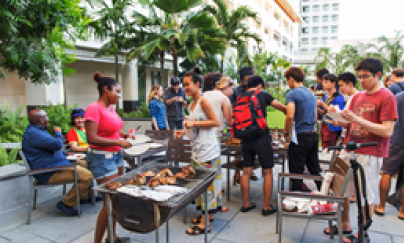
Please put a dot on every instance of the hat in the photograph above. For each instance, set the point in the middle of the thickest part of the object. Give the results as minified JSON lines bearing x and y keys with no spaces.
{"x":175,"y":80}
{"x":223,"y":82}
{"x":77,"y":112}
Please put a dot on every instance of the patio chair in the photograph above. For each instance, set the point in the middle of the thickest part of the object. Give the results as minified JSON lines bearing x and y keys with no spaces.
{"x":342,"y":172}
{"x":34,"y":185}
{"x":160,"y":134}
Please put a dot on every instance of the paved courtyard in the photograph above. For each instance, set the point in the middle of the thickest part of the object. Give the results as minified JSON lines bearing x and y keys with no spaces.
{"x":49,"y":225}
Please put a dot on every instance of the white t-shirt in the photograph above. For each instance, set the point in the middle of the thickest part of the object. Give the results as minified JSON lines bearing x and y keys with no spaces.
{"x":348,"y":99}
{"x":216,"y":97}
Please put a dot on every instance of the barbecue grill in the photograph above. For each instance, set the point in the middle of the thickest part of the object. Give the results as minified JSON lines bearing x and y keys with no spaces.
{"x":143,"y":215}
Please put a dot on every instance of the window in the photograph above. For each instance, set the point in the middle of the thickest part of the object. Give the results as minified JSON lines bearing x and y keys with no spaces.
{"x":305,"y":1}
{"x":326,"y":7}
{"x":304,"y":50}
{"x":306,"y":9}
{"x":335,"y":18}
{"x":325,"y":29}
{"x":316,"y":19}
{"x":316,"y":8}
{"x":315,"y":29}
{"x":305,"y":30}
{"x":156,"y":78}
{"x":325,"y":18}
{"x":306,"y":19}
{"x":305,"y":41}
{"x":314,"y":41}
{"x":334,"y":38}
{"x":334,"y":29}
{"x":324,"y":40}
{"x":314,"y":49}
{"x":335,"y":6}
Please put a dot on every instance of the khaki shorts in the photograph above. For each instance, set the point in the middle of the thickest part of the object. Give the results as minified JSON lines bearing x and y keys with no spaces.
{"x":371,"y":166}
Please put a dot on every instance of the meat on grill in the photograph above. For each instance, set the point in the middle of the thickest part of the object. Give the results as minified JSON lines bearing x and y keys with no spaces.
{"x":188,"y":170}
{"x":180,"y":175}
{"x":153,"y":182}
{"x":113,"y":185}
{"x":165,"y":172}
{"x":148,"y":173}
{"x":139,"y":180}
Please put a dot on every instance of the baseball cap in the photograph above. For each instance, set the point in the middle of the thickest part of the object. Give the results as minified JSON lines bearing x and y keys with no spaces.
{"x":223,"y":82}
{"x":77,"y":112}
{"x":175,"y":80}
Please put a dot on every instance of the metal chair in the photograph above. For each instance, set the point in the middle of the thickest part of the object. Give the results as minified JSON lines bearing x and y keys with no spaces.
{"x":34,"y":185}
{"x":339,"y":167}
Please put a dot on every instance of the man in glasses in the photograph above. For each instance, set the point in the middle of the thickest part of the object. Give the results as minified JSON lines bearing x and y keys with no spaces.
{"x":371,"y":116}
{"x":42,"y":150}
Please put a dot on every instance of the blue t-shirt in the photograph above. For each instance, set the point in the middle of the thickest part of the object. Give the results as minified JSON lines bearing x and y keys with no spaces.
{"x":317,"y":87}
{"x":396,"y":88}
{"x":305,"y":108}
{"x":340,"y":101}
{"x":158,"y":112}
{"x":397,"y":138}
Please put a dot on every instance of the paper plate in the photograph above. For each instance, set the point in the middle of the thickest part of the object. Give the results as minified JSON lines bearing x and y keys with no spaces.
{"x":155,"y":145}
{"x":138,"y":149}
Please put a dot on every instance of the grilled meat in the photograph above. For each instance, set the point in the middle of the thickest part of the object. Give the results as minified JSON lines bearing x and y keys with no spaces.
{"x":188,"y":170}
{"x":113,"y":185}
{"x":139,"y":180}
{"x":153,"y":182}
{"x":165,"y":172}
{"x":170,"y":180}
{"x":148,"y":173}
{"x":180,"y":175}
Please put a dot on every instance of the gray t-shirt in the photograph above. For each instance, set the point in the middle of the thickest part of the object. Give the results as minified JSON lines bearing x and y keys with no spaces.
{"x":397,"y":138}
{"x":305,"y":108}
{"x":397,"y":87}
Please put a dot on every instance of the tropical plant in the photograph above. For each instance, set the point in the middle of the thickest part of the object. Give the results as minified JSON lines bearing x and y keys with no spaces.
{"x":59,"y":116}
{"x":192,"y":35}
{"x":111,"y":23}
{"x":7,"y":158}
{"x":34,"y":37}
{"x":392,"y":51}
{"x":12,"y":123}
{"x":236,"y":32}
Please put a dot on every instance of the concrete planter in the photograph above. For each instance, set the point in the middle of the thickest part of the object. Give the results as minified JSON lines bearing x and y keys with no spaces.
{"x":145,"y":124}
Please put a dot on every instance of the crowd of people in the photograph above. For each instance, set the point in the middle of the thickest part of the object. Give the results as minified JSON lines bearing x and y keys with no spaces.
{"x":375,"y":114}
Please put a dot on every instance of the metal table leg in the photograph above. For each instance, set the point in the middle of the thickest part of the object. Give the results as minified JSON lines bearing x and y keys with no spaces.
{"x":228,"y":178}
{"x":206,"y":216}
{"x":157,"y":220}
{"x":108,"y":204}
{"x":167,"y":232}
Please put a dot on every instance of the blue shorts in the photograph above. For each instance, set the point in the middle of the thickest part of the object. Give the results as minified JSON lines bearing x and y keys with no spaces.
{"x":101,"y":166}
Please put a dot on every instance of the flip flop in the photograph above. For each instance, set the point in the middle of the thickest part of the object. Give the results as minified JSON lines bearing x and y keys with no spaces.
{"x":246,"y":209}
{"x":196,"y":230}
{"x":267,"y":212}
{"x":400,"y":218}
{"x":223,"y":209}
{"x":253,"y":177}
{"x":197,"y":220}
{"x":354,"y":239}
{"x":335,"y":231}
{"x":378,"y":213}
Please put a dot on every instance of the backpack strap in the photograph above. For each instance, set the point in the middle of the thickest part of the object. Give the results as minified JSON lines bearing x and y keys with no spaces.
{"x":332,"y":98}
{"x":401,"y":85}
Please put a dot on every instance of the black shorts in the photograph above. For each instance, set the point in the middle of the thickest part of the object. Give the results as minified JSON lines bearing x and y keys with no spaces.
{"x":392,"y":164}
{"x":261,"y":147}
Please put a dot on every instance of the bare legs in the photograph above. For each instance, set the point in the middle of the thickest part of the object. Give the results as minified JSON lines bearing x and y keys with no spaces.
{"x":266,"y":186}
{"x":385,"y":183}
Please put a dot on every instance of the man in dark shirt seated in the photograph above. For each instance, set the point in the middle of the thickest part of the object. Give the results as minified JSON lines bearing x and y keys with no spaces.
{"x":42,"y":150}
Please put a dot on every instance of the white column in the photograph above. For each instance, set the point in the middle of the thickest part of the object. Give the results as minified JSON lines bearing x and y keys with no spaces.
{"x":130,"y":85}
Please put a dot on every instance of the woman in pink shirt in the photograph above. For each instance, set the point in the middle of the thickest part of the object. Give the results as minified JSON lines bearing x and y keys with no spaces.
{"x":104,"y":155}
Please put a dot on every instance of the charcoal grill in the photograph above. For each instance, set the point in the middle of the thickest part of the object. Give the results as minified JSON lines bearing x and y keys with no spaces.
{"x":144,"y":215}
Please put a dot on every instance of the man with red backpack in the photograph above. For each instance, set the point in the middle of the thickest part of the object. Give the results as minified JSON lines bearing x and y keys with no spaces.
{"x":250,"y":112}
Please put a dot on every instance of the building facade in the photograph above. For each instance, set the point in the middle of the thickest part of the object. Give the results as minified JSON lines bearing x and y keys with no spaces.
{"x":278,"y":28}
{"x":320,"y":27}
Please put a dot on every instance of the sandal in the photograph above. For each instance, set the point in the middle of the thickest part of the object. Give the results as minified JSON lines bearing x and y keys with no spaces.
{"x":354,"y":239}
{"x":378,"y":212}
{"x":197,"y":220}
{"x":196,"y":230}
{"x":223,"y":209}
{"x":246,"y":209}
{"x":253,"y":177}
{"x":267,"y":212}
{"x":335,"y":231}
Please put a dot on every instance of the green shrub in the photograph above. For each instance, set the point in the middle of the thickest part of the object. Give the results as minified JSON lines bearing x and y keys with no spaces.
{"x":59,"y":116}
{"x":7,"y":158}
{"x":12,"y":123}
{"x":142,"y":112}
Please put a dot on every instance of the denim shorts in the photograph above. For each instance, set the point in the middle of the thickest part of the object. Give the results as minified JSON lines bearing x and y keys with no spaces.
{"x":102,"y":165}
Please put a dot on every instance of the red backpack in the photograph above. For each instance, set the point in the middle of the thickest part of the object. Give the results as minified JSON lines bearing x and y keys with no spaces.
{"x":249,"y":120}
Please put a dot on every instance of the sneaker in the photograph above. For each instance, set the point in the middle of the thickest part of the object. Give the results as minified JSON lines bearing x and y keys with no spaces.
{"x":88,"y":201}
{"x":69,"y":211}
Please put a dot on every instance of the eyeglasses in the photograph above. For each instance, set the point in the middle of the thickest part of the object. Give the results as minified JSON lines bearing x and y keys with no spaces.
{"x":45,"y":116}
{"x":365,"y":76}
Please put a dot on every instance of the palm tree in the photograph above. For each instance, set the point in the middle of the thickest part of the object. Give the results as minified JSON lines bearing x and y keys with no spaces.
{"x":325,"y":58}
{"x":192,"y":35}
{"x":392,"y":50}
{"x":231,"y":22}
{"x":112,"y":24}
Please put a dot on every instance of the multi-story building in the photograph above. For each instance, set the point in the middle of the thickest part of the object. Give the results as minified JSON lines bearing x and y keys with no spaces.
{"x":320,"y":27}
{"x":278,"y":29}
